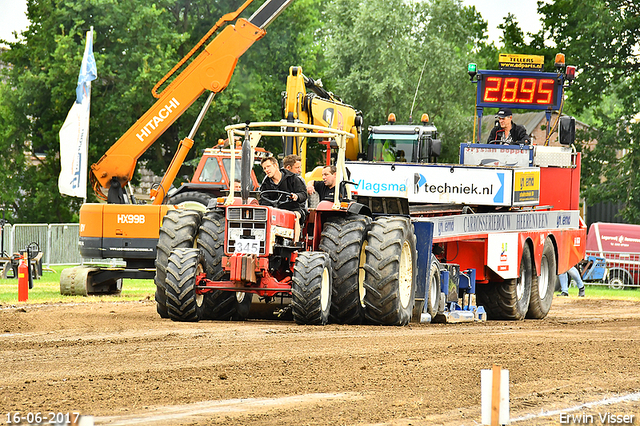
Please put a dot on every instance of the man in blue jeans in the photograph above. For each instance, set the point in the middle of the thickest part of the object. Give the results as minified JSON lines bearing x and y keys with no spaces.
{"x":564,"y":282}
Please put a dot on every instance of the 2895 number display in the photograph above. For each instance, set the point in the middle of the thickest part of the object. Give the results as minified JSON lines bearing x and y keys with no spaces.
{"x":523,"y":91}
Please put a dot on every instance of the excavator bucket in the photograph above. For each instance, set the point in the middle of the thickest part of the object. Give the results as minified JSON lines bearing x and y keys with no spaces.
{"x":73,"y":281}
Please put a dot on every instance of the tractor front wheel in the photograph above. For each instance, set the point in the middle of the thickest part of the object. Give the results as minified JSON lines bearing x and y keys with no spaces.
{"x":179,"y":228}
{"x":311,"y":288}
{"x":183,"y":303}
{"x":219,"y":304}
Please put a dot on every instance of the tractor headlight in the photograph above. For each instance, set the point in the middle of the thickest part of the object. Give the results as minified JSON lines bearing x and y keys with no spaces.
{"x":259,"y":234}
{"x":235,"y":233}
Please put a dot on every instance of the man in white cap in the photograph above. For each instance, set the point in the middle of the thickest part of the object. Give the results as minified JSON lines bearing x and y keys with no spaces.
{"x":507,"y":132}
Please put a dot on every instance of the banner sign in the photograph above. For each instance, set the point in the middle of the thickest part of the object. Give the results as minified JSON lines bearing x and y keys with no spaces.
{"x":74,"y":134}
{"x":496,"y":155}
{"x":433,"y":183}
{"x":485,"y":223}
{"x":520,"y":62}
{"x":526,"y":186}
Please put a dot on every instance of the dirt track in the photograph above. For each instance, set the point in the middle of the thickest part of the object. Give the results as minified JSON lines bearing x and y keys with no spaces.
{"x":124,"y":365}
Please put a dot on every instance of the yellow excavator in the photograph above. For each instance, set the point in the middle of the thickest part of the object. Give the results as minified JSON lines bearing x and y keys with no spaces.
{"x":307,"y":101}
{"x":320,"y":107}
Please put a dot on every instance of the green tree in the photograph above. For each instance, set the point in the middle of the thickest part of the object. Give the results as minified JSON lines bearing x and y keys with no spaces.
{"x":41,"y":81}
{"x":601,"y":37}
{"x":12,"y":154}
{"x":377,"y":50}
{"x":135,"y":44}
{"x":513,"y":40}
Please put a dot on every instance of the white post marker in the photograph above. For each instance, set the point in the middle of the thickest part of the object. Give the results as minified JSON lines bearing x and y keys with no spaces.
{"x":494,"y":386}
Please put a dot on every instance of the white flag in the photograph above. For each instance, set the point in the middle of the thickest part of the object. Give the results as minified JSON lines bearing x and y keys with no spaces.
{"x":74,"y":134}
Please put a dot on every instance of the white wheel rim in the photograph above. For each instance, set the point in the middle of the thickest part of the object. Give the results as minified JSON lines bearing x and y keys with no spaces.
{"x":363,"y":260}
{"x":520,"y":286}
{"x":240,"y":296}
{"x":324,"y":290}
{"x":433,"y":291}
{"x":616,"y":283}
{"x":199,"y":296}
{"x":543,"y":281}
{"x":405,"y":276}
{"x":192,"y":205}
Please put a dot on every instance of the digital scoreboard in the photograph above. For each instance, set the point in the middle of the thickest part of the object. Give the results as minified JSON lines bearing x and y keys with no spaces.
{"x":519,"y":89}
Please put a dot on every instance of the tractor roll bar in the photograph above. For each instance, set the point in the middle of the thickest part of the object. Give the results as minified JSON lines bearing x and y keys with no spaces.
{"x":313,"y":131}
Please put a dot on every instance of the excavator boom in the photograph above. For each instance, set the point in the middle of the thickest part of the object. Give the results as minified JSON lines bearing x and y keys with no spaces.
{"x":210,"y":70}
{"x":129,"y":231}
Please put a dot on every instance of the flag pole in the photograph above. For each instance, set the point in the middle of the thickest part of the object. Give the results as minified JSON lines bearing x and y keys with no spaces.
{"x":89,"y":40}
{"x":74,"y":133}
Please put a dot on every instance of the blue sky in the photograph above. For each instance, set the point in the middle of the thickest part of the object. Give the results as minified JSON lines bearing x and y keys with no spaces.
{"x":494,"y":11}
{"x":12,"y":18}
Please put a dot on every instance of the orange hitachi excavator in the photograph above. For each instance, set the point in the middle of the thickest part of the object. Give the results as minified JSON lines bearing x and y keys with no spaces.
{"x":122,"y":229}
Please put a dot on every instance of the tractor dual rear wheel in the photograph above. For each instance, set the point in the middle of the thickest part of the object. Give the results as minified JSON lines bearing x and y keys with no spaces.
{"x":344,"y":239}
{"x":390,"y":271}
{"x":311,"y":288}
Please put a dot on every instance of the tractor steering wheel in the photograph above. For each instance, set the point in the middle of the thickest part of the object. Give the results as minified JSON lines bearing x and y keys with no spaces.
{"x":277,"y":201}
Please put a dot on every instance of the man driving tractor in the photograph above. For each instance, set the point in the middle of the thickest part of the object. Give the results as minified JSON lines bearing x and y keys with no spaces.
{"x":290,"y":192}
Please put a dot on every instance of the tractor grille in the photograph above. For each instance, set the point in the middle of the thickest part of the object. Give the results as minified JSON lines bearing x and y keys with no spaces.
{"x":246,"y":230}
{"x":247,"y":213}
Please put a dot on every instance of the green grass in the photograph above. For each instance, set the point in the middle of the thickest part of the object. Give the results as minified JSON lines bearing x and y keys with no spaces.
{"x":47,"y":290}
{"x":604,"y":292}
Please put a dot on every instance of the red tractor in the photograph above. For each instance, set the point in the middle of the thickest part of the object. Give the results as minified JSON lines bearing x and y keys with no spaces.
{"x":238,"y":248}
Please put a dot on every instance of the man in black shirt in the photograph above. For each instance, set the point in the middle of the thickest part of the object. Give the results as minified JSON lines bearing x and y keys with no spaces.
{"x":507,"y":132}
{"x":277,"y":179}
{"x":293,"y":163}
{"x":327,"y":188}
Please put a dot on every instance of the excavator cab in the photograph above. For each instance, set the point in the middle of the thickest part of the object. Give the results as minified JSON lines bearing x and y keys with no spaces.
{"x":404,"y":143}
{"x":307,"y":101}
